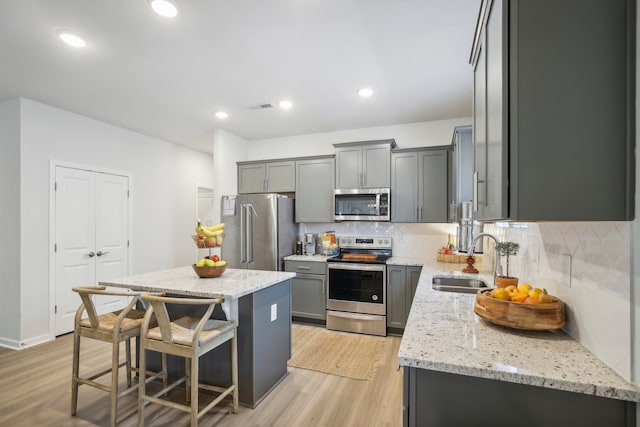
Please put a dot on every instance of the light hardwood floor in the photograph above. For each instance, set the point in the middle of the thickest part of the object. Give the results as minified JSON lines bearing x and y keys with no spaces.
{"x":35,"y":390}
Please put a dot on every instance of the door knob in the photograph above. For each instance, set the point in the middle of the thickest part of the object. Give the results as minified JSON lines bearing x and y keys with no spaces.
{"x":100,"y":253}
{"x":91,"y":254}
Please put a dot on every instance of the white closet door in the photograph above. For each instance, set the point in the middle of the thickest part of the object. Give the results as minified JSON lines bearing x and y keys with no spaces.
{"x":91,"y":223}
{"x":75,"y":241}
{"x":111,"y":234}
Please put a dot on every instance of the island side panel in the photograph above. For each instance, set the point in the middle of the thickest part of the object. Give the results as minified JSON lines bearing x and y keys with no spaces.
{"x":265,"y":344}
{"x":264,"y":347}
{"x":443,"y":399}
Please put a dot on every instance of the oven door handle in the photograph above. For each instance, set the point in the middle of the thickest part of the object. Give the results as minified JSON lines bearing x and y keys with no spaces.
{"x":352,"y":266}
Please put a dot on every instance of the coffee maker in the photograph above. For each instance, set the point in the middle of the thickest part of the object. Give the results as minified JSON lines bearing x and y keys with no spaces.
{"x":309,"y":244}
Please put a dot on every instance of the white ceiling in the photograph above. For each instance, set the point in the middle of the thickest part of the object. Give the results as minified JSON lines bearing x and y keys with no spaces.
{"x":167,"y":78}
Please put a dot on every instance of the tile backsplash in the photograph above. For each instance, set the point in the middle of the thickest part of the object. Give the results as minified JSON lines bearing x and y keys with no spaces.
{"x":586,"y":264}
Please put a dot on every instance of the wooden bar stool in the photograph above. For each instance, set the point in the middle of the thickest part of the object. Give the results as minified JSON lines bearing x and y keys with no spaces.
{"x":114,"y":327}
{"x":188,"y":337}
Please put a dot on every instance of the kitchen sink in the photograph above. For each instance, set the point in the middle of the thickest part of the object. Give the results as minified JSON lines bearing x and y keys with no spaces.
{"x":465,"y":285}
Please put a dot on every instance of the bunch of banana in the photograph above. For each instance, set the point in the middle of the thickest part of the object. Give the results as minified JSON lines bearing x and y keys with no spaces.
{"x":212,"y":233}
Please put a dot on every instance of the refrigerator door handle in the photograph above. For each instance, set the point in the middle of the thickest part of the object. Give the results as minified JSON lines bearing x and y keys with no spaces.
{"x":243,"y":249}
{"x":249,"y":232}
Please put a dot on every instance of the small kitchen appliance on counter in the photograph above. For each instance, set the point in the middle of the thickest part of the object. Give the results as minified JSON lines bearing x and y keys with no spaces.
{"x":310,"y":244}
{"x":357,"y":285}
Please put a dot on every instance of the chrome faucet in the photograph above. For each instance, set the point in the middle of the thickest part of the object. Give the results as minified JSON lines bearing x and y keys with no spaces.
{"x":473,"y":246}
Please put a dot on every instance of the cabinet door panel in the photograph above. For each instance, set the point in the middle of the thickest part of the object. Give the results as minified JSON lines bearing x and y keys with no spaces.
{"x":480,"y":133}
{"x":404,"y":187}
{"x":433,"y":186}
{"x":251,"y":178}
{"x":396,"y":296}
{"x":349,"y":167}
{"x":413,"y":275}
{"x":496,"y":144}
{"x":314,"y":190}
{"x":376,"y":166}
{"x":308,"y":298}
{"x":281,"y":176}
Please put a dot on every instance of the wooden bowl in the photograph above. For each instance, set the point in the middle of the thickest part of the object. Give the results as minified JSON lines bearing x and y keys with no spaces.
{"x":208,"y":272}
{"x":531,"y":317}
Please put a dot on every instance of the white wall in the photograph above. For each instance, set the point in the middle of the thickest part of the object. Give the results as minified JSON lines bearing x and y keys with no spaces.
{"x":423,"y":134}
{"x":10,"y":222}
{"x":164,"y":179}
{"x":227,"y":150}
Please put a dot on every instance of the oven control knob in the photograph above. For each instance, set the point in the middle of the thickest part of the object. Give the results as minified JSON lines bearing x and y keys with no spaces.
{"x":374,"y":297}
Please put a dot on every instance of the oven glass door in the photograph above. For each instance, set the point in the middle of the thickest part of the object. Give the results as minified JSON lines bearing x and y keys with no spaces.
{"x":363,"y":283}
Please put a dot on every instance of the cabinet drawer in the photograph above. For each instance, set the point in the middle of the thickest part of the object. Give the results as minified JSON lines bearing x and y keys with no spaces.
{"x":306,"y":267}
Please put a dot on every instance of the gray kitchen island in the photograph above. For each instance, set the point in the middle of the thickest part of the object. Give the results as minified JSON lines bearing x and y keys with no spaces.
{"x":260,"y":303}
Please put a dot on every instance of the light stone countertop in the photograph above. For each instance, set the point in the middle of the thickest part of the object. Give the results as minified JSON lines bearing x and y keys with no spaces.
{"x":444,"y":334}
{"x":315,"y":258}
{"x":233,"y":284}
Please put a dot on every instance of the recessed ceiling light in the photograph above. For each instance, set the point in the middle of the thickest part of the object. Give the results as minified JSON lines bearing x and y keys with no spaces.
{"x":164,"y":8}
{"x":71,"y":39}
{"x":222,"y":114}
{"x":285,"y":104}
{"x":365,"y":92}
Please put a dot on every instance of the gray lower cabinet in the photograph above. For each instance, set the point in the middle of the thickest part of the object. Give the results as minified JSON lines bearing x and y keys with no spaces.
{"x":401,"y":288}
{"x":308,"y":289}
{"x":314,"y":189}
{"x":266,"y":177}
{"x":554,"y":110}
{"x":420,"y":185}
{"x":439,"y":399}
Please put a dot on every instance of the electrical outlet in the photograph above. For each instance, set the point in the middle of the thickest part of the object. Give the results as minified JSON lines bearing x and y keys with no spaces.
{"x":274,"y":312}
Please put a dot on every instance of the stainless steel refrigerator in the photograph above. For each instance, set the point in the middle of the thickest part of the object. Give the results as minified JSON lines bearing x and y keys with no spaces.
{"x":259,"y":231}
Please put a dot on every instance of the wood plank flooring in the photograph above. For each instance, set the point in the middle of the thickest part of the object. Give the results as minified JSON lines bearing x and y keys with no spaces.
{"x":35,"y":389}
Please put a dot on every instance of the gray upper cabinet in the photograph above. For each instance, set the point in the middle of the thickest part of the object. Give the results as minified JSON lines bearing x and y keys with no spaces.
{"x":461,"y":169}
{"x":266,"y":177}
{"x":363,"y":164}
{"x":314,"y":189}
{"x":554,"y":110}
{"x":420,"y":185}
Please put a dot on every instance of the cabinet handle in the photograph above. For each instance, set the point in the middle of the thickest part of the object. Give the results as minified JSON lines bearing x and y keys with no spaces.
{"x":100,"y":253}
{"x":304,"y":268}
{"x":475,"y":191}
{"x":91,"y":254}
{"x":364,"y":179}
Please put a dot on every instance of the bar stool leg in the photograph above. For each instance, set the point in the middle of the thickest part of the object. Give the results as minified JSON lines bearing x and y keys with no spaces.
{"x":75,"y":373}
{"x":142,"y":383}
{"x":234,"y":370}
{"x":115,"y":361}
{"x":187,"y":374}
{"x":128,"y":350}
{"x":194,"y":391}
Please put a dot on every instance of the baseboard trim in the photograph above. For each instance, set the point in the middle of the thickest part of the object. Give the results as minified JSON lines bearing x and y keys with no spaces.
{"x":20,"y":345}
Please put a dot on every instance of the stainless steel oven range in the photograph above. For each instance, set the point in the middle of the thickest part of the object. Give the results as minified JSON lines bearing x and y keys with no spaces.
{"x":357,"y":283}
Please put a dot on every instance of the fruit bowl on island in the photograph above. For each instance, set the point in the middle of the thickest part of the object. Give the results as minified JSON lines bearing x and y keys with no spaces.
{"x":206,"y":272}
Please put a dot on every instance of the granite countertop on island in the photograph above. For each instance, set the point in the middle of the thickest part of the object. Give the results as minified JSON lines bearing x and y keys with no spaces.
{"x":233,"y":284}
{"x":444,"y":334}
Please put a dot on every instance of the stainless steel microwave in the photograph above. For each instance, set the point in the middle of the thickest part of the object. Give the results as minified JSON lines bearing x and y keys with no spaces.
{"x":362,"y":204}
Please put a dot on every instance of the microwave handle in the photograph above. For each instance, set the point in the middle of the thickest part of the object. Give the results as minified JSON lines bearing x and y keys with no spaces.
{"x":378,"y":204}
